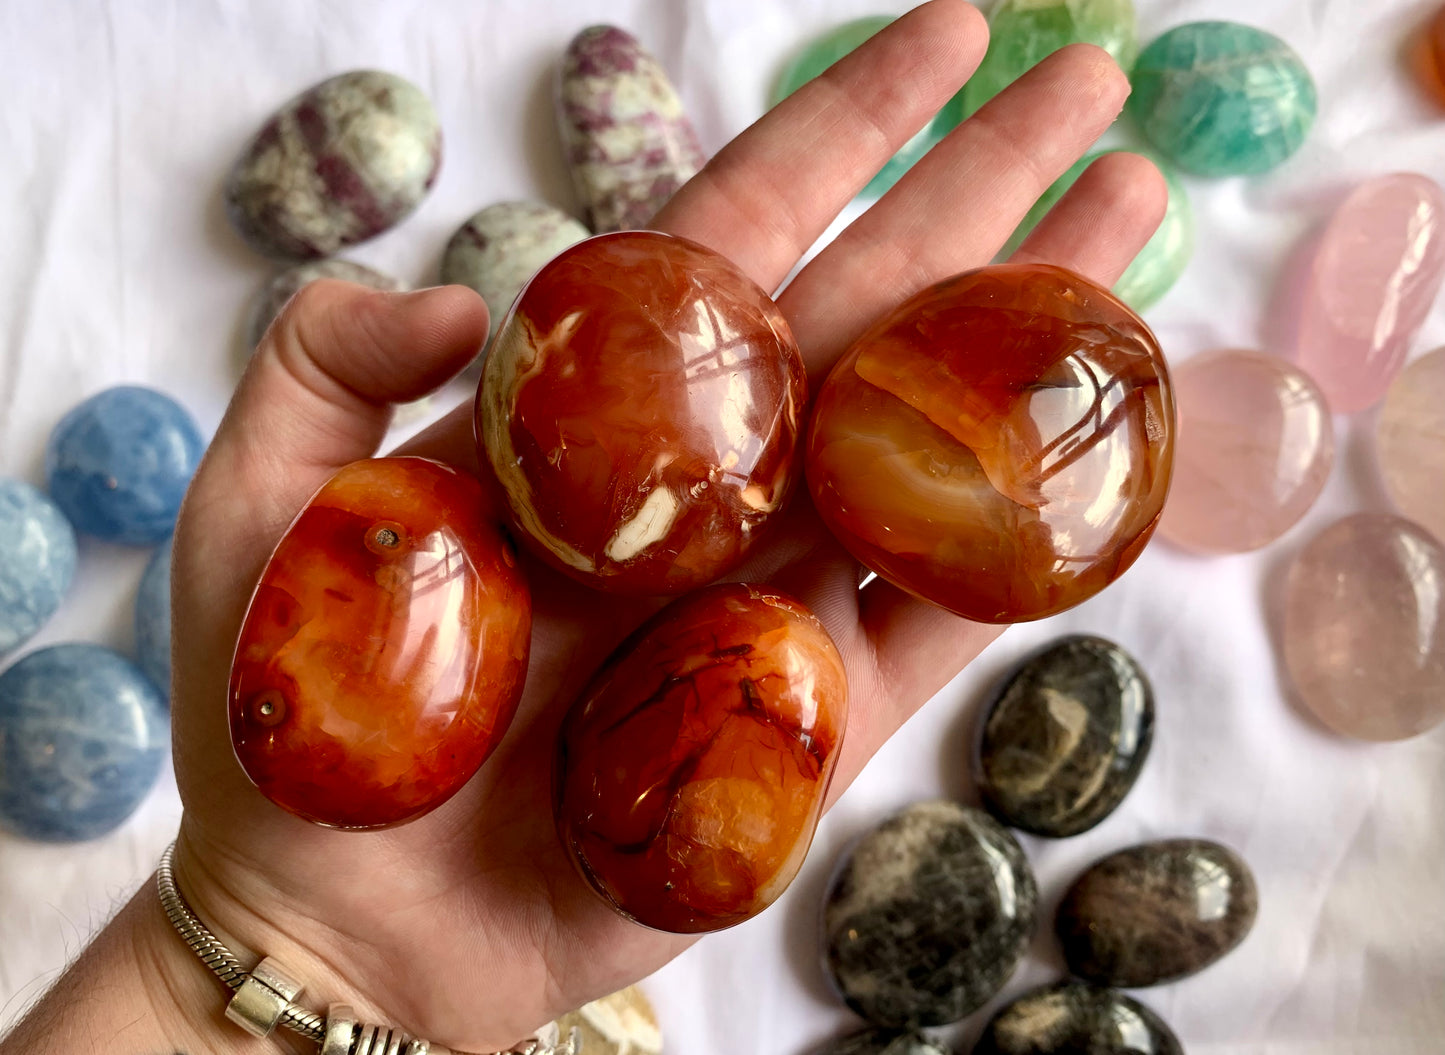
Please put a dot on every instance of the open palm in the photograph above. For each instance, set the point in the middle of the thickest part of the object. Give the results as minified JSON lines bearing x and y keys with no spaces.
{"x":469,"y":926}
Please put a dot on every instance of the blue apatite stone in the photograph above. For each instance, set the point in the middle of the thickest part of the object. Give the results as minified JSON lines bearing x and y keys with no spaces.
{"x":153,"y":619}
{"x":1222,"y":99}
{"x":82,"y":737}
{"x":119,"y":463}
{"x":37,"y":561}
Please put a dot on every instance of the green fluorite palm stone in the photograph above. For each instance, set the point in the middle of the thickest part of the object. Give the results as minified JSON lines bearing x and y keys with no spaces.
{"x":1022,"y":33}
{"x":828,"y":49}
{"x":1160,"y":263}
{"x":1222,"y":99}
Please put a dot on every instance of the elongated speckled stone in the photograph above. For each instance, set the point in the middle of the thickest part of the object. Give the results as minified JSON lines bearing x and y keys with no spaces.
{"x":624,"y":132}
{"x":341,"y":163}
{"x":1074,"y":1018}
{"x":927,"y":916}
{"x":273,"y":296}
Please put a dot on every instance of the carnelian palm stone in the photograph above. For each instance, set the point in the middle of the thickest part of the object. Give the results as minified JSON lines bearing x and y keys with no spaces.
{"x":384,"y":650}
{"x":1000,"y":444}
{"x":692,"y":770}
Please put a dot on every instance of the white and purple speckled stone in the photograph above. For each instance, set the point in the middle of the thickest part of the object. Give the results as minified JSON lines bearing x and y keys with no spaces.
{"x":626,"y":137}
{"x":37,"y":561}
{"x":284,"y":285}
{"x":340,"y":163}
{"x":500,"y":248}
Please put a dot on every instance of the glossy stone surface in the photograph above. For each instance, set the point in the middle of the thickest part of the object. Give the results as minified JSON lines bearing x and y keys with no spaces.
{"x":118,"y":464}
{"x":1364,"y":627}
{"x":1156,"y":912}
{"x":883,"y":1042}
{"x":692,"y":769}
{"x":621,"y":1024}
{"x":1373,"y":280}
{"x":1065,"y":737}
{"x":642,"y":406}
{"x":1410,"y":442}
{"x":37,"y":563}
{"x":1256,"y":446}
{"x":384,"y":649}
{"x":1072,"y":1018}
{"x":342,"y":162}
{"x":624,"y":132}
{"x":1162,"y":260}
{"x":153,"y":619}
{"x":83,"y":734}
{"x":827,"y":49}
{"x":999,"y":445}
{"x":1427,"y":57}
{"x":1223,"y":99}
{"x":927,"y":916}
{"x":498,"y":249}
{"x":284,"y":285}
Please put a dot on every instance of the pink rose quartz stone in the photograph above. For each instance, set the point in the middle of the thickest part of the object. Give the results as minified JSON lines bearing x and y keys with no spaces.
{"x":1364,"y":627}
{"x":1255,"y":448}
{"x":1375,"y":274}
{"x":1410,"y":442}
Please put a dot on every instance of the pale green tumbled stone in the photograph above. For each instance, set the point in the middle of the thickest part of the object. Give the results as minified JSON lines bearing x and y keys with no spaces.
{"x":1223,"y":99}
{"x":828,"y":49}
{"x":1161,"y":261}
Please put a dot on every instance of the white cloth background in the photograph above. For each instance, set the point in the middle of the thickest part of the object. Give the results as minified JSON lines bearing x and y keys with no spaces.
{"x":116,"y":265}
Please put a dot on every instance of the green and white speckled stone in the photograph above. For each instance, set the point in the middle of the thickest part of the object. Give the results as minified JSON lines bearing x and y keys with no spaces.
{"x":821,"y":53}
{"x":1161,"y":261}
{"x":1223,"y":99}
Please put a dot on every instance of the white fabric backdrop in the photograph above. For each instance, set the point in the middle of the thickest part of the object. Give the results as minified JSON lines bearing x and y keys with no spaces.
{"x":116,"y":265}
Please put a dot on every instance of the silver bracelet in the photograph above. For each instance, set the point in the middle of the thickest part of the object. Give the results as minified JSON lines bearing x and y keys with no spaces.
{"x":265,"y":993}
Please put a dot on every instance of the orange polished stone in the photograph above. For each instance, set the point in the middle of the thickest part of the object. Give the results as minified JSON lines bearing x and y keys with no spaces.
{"x":642,"y":405}
{"x":692,"y":770}
{"x":384,"y":650}
{"x":1426,"y":54}
{"x":999,"y":445}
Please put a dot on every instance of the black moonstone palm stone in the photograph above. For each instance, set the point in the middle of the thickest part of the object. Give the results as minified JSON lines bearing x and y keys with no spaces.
{"x":927,"y":916}
{"x":1073,"y":1018}
{"x":883,"y":1042}
{"x":1065,"y":737}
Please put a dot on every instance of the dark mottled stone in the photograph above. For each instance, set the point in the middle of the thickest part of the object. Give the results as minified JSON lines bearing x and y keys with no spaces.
{"x":1156,"y":912}
{"x":1066,"y":737}
{"x":927,"y":916}
{"x":342,"y":162}
{"x":284,"y":285}
{"x":883,"y":1042}
{"x":1074,"y":1018}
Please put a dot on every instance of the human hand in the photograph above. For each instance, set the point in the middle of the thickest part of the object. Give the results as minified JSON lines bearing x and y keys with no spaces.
{"x":469,"y":926}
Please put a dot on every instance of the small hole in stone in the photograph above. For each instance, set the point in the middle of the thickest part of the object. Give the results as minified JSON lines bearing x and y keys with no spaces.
{"x":387,"y":537}
{"x":269,"y":708}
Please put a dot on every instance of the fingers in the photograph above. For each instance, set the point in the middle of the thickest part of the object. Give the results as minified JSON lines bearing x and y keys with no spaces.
{"x":959,"y":204}
{"x":766,"y":198}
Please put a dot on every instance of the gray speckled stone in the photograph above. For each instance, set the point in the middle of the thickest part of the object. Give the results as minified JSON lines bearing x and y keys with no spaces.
{"x":500,"y":248}
{"x":1066,"y":737}
{"x":1072,"y":1018}
{"x":927,"y":916}
{"x":1156,"y":912}
{"x":284,"y":285}
{"x":342,"y":162}
{"x":883,"y":1042}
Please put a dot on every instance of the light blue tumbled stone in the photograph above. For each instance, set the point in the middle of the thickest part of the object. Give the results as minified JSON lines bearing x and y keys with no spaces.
{"x":1223,"y":99}
{"x":83,"y":735}
{"x":153,"y":619}
{"x":37,"y":561}
{"x":119,"y":464}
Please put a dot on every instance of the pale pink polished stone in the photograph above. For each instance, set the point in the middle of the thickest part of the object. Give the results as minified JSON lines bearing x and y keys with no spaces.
{"x":1379,"y":265}
{"x":1364,"y":627}
{"x":1255,"y":448}
{"x":1410,"y":442}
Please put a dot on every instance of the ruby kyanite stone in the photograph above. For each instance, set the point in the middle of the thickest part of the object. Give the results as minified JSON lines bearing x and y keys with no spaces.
{"x":1256,"y":444}
{"x":384,"y":650}
{"x":1364,"y":627}
{"x":693,"y":768}
{"x":999,"y":445}
{"x":642,"y":407}
{"x":1375,"y":275}
{"x":1410,"y":442}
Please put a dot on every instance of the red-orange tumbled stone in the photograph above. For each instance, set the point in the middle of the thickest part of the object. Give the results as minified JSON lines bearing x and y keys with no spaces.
{"x":642,"y":406}
{"x":692,"y":770}
{"x":999,"y":445}
{"x":384,"y":650}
